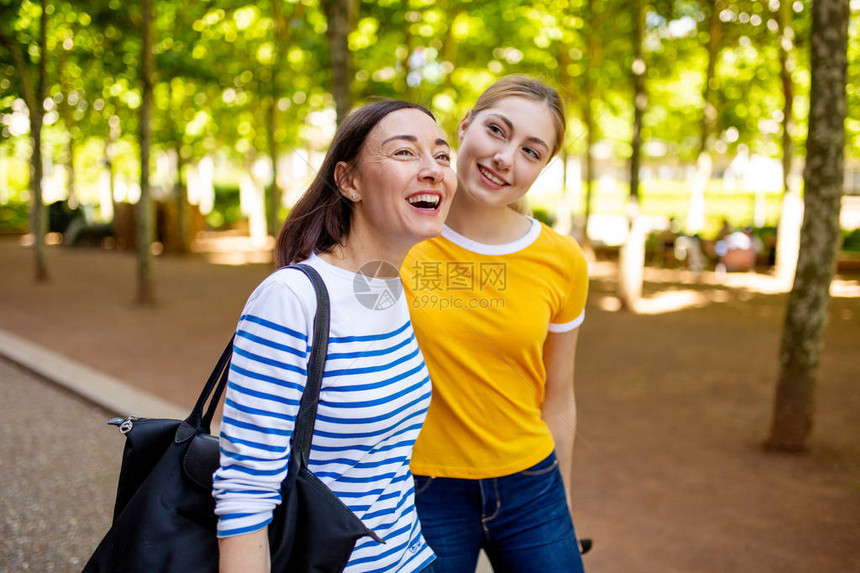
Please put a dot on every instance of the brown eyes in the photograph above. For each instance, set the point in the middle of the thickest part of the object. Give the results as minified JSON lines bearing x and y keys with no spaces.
{"x":528,"y":151}
{"x":407,"y":153}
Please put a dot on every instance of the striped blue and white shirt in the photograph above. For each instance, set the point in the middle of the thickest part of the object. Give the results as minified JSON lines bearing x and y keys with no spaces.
{"x":374,"y":397}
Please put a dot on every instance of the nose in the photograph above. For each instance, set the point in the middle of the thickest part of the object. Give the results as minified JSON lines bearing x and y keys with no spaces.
{"x":504,"y":158}
{"x":431,"y":170}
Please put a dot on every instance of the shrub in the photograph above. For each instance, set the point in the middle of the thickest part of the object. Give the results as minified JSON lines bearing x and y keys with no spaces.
{"x":851,"y":241}
{"x":544,"y":216}
{"x":14,"y":217}
{"x":226,"y":211}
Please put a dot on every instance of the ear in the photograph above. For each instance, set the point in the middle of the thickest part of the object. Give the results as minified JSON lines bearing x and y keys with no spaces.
{"x":344,"y":177}
{"x":464,"y":125}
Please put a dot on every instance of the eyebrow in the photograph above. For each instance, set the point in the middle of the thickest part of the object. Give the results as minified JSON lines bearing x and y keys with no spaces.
{"x":413,"y":139}
{"x":510,"y":125}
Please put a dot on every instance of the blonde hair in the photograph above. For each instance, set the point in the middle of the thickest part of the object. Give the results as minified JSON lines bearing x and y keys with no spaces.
{"x":518,"y":85}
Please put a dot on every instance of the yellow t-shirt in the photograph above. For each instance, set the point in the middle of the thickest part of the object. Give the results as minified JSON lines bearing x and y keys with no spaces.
{"x":481,"y":314}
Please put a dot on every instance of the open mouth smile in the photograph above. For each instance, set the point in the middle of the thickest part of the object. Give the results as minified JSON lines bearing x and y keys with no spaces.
{"x":491,"y":177}
{"x":425,"y":201}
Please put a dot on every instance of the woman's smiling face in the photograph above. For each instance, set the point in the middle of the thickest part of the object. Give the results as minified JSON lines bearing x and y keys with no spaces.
{"x":403,"y":178}
{"x":503,"y":149}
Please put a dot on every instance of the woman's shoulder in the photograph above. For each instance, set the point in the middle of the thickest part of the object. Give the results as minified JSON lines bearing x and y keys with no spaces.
{"x":283,"y":284}
{"x":427,"y":245}
{"x":566,"y":246}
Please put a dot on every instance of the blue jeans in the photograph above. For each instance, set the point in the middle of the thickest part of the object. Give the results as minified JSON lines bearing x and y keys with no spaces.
{"x":521,"y":521}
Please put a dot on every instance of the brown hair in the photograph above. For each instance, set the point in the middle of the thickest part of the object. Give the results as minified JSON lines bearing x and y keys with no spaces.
{"x":321,"y":217}
{"x":517,"y":85}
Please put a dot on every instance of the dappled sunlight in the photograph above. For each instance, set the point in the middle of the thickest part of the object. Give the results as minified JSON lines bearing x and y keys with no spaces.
{"x":753,"y":282}
{"x":51,"y":239}
{"x":845,"y":289}
{"x":668,"y":301}
{"x":233,"y":248}
{"x":673,"y":290}
{"x":608,"y":303}
{"x":672,"y":301}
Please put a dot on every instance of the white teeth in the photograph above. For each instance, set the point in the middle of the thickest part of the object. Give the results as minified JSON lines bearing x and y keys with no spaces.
{"x":491,"y":177}
{"x":426,"y":198}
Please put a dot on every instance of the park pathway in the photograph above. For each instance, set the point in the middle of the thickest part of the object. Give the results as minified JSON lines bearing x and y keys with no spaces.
{"x":669,"y":476}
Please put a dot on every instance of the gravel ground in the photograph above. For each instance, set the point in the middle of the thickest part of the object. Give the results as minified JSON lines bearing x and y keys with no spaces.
{"x":59,"y":463}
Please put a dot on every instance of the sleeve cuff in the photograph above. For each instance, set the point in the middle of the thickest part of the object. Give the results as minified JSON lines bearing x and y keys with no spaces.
{"x":230,"y":525}
{"x":567,"y":326}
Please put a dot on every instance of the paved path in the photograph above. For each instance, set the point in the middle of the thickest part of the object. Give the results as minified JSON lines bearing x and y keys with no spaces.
{"x":59,"y":463}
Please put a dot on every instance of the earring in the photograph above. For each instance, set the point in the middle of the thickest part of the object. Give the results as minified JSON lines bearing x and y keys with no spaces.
{"x":354,"y":197}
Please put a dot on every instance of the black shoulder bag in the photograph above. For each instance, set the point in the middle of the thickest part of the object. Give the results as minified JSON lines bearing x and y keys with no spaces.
{"x":164,"y":519}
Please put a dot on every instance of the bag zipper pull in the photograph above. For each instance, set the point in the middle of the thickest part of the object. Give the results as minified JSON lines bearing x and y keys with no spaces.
{"x":125,"y":424}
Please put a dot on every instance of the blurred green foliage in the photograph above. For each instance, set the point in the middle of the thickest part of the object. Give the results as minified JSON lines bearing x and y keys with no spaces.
{"x":851,"y":241}
{"x":237,"y":79}
{"x":14,"y":217}
{"x":226,"y":211}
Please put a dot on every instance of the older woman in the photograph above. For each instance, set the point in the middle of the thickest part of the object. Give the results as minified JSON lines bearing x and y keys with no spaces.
{"x":385,"y":184}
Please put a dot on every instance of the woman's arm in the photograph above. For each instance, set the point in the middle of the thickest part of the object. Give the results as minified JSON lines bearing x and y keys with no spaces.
{"x":262,"y":401}
{"x":559,"y":406}
{"x":247,"y":553}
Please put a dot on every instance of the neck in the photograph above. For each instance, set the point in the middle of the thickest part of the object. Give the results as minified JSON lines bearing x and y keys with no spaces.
{"x":490,"y":225}
{"x":360,"y":248}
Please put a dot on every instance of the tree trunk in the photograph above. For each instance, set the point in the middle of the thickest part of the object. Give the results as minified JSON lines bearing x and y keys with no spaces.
{"x":632,"y":255}
{"x":403,"y":63}
{"x":282,"y":39}
{"x":809,"y":301}
{"x":715,"y":39}
{"x":563,"y":214}
{"x":591,"y":58}
{"x":589,"y":174}
{"x":112,"y":135}
{"x":4,"y":181}
{"x":145,"y":290}
{"x":34,"y":97}
{"x":40,"y":222}
{"x":786,"y":66}
{"x":108,"y":158}
{"x":38,"y":217}
{"x":67,"y":111}
{"x":273,"y":192}
{"x":696,"y":211}
{"x":180,"y":190}
{"x":450,"y":45}
{"x":788,"y":233}
{"x":340,"y":15}
{"x":564,"y":219}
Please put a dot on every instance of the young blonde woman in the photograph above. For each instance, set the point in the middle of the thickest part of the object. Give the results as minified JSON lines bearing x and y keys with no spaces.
{"x":385,"y":184}
{"x":496,"y":302}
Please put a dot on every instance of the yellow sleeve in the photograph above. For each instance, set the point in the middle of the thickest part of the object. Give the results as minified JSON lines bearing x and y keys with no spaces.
{"x":572,"y":312}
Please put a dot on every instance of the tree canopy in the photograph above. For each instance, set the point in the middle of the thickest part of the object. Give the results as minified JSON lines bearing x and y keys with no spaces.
{"x":239,"y":80}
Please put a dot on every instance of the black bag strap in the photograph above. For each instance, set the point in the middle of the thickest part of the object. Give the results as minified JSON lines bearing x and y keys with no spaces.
{"x":304,"y":428}
{"x":306,"y":418}
{"x":217,"y":381}
{"x":219,"y":388}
